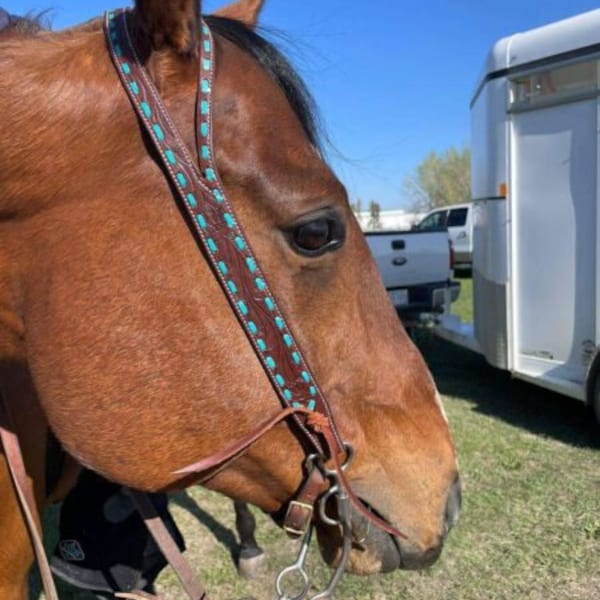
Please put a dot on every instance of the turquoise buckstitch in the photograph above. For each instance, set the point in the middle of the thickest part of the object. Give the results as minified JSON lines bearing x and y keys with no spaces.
{"x":260,"y":284}
{"x":210,"y":174}
{"x":288,"y":340}
{"x":296,"y":358}
{"x":280,"y":380}
{"x":126,"y":68}
{"x":296,"y":405}
{"x":205,"y":86}
{"x":193,"y":202}
{"x":306,"y":376}
{"x":204,"y":107}
{"x":170,"y":156}
{"x":181,"y":179}
{"x":211,"y":245}
{"x":201,"y":221}
{"x":232,"y":287}
{"x":158,"y":131}
{"x":229,"y":220}
{"x":206,"y":64}
{"x":146,"y":109}
{"x":205,"y":152}
{"x":279,"y":322}
{"x":135,"y":88}
{"x":206,"y":45}
{"x":261,"y":345}
{"x":223,"y":268}
{"x":239,"y":242}
{"x":204,"y":129}
{"x":270,"y":362}
{"x":270,"y":304}
{"x":312,"y":390}
{"x":118,"y":51}
{"x":252,"y":327}
{"x":287,"y":394}
{"x":243,"y":308}
{"x":218,"y":196}
{"x":311,"y":405}
{"x":251,"y":263}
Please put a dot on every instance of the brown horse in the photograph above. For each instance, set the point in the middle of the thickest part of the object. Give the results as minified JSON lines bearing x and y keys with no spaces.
{"x":115,"y":335}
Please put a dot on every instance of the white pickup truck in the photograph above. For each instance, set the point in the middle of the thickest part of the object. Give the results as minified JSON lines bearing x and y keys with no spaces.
{"x":416,"y":268}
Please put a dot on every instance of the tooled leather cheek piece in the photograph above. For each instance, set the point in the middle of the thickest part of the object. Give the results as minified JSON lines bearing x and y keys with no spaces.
{"x":225,"y":246}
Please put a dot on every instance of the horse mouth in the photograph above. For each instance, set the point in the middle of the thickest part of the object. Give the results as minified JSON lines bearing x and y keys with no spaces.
{"x":373,"y":549}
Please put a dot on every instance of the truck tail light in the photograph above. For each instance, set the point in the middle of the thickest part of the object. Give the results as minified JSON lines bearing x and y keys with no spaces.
{"x":451,"y":254}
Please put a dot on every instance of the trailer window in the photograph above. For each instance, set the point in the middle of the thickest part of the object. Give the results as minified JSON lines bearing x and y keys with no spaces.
{"x":554,"y":86}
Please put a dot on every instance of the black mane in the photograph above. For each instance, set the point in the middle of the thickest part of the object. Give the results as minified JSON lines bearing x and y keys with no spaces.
{"x":277,"y":66}
{"x":13,"y":24}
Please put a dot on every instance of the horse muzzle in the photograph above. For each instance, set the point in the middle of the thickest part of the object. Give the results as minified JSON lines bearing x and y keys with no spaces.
{"x":376,"y":551}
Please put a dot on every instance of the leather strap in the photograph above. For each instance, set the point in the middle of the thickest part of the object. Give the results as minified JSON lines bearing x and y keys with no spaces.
{"x":137,"y":595}
{"x":213,"y":222}
{"x":26,"y":498}
{"x":238,"y":447}
{"x":300,"y":510}
{"x":167,"y":546}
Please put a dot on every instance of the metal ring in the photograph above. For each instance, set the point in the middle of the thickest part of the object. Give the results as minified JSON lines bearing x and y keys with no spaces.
{"x":288,"y":571}
{"x":325,"y":518}
{"x":349,"y":455}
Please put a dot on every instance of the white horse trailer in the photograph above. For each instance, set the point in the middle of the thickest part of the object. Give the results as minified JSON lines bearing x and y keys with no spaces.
{"x":535,"y":126}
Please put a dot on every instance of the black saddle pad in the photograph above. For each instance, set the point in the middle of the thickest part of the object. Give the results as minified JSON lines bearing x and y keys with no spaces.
{"x":104,"y":544}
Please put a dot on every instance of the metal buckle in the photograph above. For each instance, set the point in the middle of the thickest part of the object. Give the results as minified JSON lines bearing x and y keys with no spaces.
{"x":292,"y":531}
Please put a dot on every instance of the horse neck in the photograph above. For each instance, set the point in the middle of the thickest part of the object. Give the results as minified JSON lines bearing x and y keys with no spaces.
{"x":45,"y":77}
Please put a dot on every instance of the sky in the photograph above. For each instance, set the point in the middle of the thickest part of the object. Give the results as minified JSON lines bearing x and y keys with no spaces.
{"x":392,"y":78}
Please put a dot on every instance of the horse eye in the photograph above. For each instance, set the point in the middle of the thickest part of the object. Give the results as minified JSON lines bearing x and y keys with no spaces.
{"x":314,"y":238}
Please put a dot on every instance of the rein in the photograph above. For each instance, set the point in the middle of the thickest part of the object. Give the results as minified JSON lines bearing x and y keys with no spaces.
{"x":223,"y":243}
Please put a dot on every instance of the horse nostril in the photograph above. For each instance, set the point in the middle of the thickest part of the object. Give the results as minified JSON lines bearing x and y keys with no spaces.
{"x":453,"y":505}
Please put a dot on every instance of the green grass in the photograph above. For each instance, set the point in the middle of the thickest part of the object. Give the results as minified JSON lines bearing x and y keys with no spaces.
{"x":530,"y":526}
{"x":464,"y":304}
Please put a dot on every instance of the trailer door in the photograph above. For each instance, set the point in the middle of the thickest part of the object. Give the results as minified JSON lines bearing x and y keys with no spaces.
{"x":553,"y":195}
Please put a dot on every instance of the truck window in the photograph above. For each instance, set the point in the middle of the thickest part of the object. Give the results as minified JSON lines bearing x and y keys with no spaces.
{"x":457,"y":217}
{"x":436,"y":220}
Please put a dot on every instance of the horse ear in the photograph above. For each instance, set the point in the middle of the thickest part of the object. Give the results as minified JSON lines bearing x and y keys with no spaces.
{"x":245,"y":11}
{"x":171,"y":23}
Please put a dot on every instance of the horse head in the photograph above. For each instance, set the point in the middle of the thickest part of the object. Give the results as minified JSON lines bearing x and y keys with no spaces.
{"x":136,"y":356}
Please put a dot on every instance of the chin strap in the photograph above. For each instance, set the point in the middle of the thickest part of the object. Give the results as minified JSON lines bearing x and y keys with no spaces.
{"x":314,"y":485}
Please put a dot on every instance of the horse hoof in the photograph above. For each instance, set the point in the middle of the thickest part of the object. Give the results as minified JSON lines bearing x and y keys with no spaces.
{"x":252,"y":567}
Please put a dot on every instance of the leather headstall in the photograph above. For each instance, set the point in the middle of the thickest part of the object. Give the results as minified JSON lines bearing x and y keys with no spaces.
{"x":220,"y":236}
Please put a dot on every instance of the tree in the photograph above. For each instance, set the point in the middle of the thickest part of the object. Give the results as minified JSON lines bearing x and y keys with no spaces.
{"x":440,"y":179}
{"x":356,"y":206}
{"x":374,"y":215}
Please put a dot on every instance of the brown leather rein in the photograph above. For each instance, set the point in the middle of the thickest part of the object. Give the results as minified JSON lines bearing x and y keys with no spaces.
{"x":222,"y":241}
